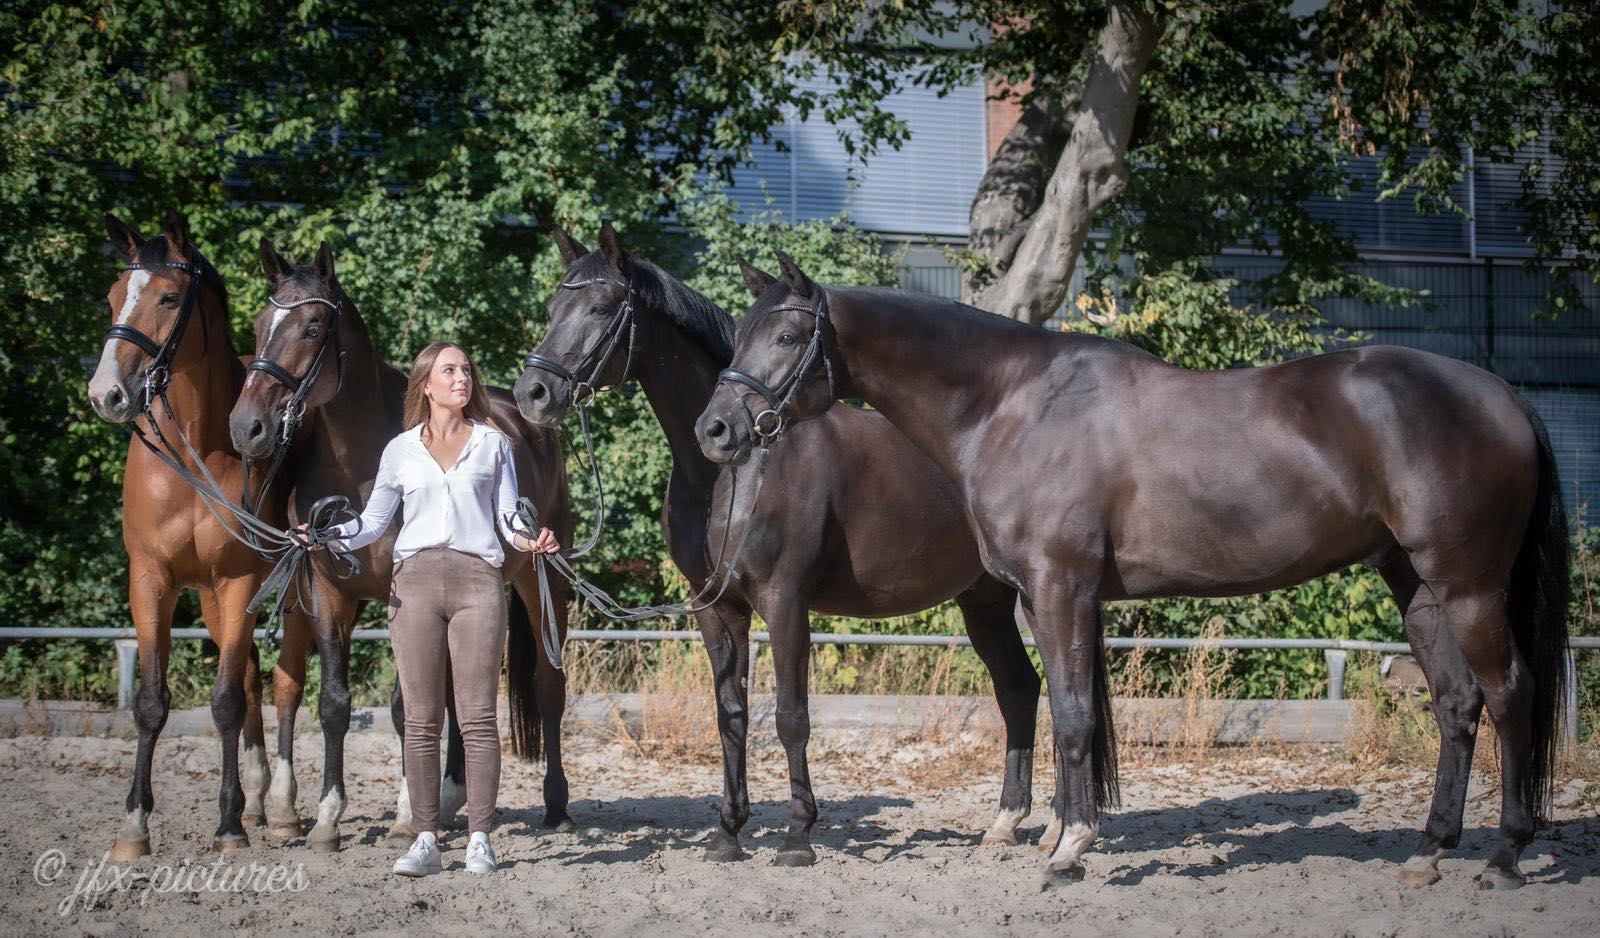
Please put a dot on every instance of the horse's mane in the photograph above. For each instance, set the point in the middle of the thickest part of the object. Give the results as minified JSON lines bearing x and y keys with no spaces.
{"x":154,"y":251}
{"x":703,"y":320}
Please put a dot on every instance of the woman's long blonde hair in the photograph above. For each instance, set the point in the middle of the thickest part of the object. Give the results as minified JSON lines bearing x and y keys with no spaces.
{"x":417,"y":408}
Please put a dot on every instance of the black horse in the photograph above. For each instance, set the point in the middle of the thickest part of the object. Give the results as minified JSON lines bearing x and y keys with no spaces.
{"x":852,"y":521}
{"x":1091,"y":470}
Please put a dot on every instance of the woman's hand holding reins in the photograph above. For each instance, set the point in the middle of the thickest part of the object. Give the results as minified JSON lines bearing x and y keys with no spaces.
{"x":545,"y":543}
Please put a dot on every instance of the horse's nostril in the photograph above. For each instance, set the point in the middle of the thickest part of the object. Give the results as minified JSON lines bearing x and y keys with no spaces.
{"x":256,"y":429}
{"x":114,"y":397}
{"x":717,"y":430}
{"x":537,"y":392}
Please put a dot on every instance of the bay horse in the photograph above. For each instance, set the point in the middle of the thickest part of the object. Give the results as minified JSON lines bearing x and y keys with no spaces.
{"x":173,"y":540}
{"x":852,"y":521}
{"x":315,"y":357}
{"x":1092,"y":470}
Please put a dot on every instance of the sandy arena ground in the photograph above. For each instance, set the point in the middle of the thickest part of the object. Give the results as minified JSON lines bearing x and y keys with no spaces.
{"x":1297,"y":844}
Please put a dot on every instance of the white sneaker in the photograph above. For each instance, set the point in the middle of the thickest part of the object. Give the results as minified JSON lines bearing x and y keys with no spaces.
{"x":480,"y":856}
{"x":422,"y":859}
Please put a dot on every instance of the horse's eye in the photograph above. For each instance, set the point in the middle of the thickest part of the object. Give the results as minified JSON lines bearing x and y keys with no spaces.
{"x":169,"y":299}
{"x":312,"y":331}
{"x":599,"y":309}
{"x":786,"y":338}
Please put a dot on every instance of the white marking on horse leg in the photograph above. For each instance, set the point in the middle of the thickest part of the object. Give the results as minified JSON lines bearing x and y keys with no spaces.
{"x":1075,"y":839}
{"x":402,"y":805}
{"x":1052,"y":836}
{"x":135,"y":827}
{"x":1004,"y":828}
{"x":452,"y":795}
{"x":281,"y":794}
{"x":330,"y":809}
{"x":256,"y":778}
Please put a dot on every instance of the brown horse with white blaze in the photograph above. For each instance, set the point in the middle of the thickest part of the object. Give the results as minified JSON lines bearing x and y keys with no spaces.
{"x":172,"y":538}
{"x":1092,"y":471}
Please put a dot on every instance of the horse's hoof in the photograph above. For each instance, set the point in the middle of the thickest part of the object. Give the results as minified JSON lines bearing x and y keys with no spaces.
{"x":284,"y":828}
{"x":1050,"y":838}
{"x":561,"y":825}
{"x":1417,"y":879}
{"x":795,"y":853}
{"x":254,"y":820}
{"x":995,"y":839}
{"x":1061,"y":874}
{"x":1494,"y":877}
{"x":325,"y":841}
{"x":125,"y":851}
{"x":403,"y":831}
{"x":228,"y":843}
{"x":724,"y":849}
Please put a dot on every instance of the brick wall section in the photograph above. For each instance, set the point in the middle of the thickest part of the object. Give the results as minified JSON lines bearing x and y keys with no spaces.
{"x":1001,"y":116}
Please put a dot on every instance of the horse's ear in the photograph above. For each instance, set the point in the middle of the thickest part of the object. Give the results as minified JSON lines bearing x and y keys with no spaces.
{"x":571,"y":248}
{"x":124,"y":239}
{"x":273,"y":263}
{"x":323,"y":265}
{"x":176,"y":228}
{"x":755,"y":278}
{"x":611,"y":247}
{"x":796,"y":278}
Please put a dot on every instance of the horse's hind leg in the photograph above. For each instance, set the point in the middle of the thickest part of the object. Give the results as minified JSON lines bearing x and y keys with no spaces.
{"x":403,"y":828}
{"x":288,"y":688}
{"x":334,"y":613}
{"x":550,"y":689}
{"x":255,"y":775}
{"x":791,"y":653}
{"x":151,"y":599}
{"x":989,"y":609}
{"x":230,"y":627}
{"x":1457,"y":703}
{"x":1481,"y":627}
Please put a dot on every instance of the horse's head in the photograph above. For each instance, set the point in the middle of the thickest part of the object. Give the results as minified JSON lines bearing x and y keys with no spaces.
{"x":151,"y":305}
{"x":299,"y":363}
{"x":589,"y":344}
{"x":784,"y":369}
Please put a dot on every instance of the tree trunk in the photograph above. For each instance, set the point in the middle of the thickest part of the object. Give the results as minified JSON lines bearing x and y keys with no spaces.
{"x":1032,"y":260}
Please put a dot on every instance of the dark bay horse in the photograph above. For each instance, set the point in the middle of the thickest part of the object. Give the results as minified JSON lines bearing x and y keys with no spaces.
{"x":312,"y":337}
{"x":175,"y":300}
{"x":1092,"y":471}
{"x":852,"y":520}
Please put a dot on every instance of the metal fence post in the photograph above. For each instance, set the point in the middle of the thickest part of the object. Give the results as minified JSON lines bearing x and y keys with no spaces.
{"x":1336,"y":661}
{"x":127,"y":667}
{"x":1569,"y":723}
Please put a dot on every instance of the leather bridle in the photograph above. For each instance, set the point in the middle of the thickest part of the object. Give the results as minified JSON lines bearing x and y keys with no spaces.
{"x":158,"y":374}
{"x":294,"y":409}
{"x":770,"y":424}
{"x":600,"y":353}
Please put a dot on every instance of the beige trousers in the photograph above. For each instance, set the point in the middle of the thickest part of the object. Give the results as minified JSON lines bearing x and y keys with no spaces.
{"x":447,"y":609}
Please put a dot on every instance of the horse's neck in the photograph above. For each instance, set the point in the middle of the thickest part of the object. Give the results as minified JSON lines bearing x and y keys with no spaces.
{"x":202,"y":394}
{"x":923,"y":372}
{"x":351,"y":430}
{"x":678,"y":374}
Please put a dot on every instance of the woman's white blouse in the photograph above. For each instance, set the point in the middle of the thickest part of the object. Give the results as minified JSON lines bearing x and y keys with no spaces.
{"x":457,"y":508}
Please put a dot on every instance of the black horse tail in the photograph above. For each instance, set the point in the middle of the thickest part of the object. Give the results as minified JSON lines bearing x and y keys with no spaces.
{"x":1107,"y":787}
{"x":1541,"y":590}
{"x":522,"y":664}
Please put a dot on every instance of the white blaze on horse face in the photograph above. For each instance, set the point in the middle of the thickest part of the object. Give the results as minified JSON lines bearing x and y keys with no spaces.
{"x":278,"y":316}
{"x":105,"y":373}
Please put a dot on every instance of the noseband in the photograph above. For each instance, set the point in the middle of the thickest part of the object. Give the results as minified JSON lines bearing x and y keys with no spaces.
{"x":769,"y":425}
{"x":294,"y":410}
{"x":159,"y":372}
{"x":600,"y":352}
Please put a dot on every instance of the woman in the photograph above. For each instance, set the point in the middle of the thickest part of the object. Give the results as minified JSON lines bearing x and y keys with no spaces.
{"x":453,"y":471}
